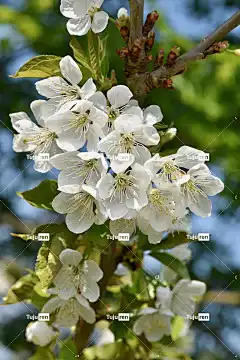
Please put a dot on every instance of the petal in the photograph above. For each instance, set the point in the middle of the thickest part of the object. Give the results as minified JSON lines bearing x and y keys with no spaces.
{"x":79,"y":26}
{"x":160,"y":221}
{"x":87,"y":313}
{"x":19,"y":144}
{"x":119,"y":96}
{"x":100,"y":21}
{"x":142,"y":154}
{"x":79,"y":221}
{"x":66,"y":8}
{"x":50,"y":87}
{"x":22,"y":123}
{"x":202,"y":206}
{"x":36,"y":107}
{"x":210,"y":184}
{"x":104,"y":186}
{"x":69,"y":182}
{"x":98,"y":117}
{"x":81,"y":299}
{"x":70,"y":140}
{"x":81,"y":7}
{"x":142,"y":177}
{"x":70,"y":70}
{"x":52,"y":305}
{"x":148,"y":135}
{"x":61,"y":203}
{"x":88,"y":89}
{"x":89,"y":288}
{"x":92,"y":270}
{"x":188,"y":157}
{"x":63,"y":161}
{"x":128,"y":123}
{"x":122,"y":162}
{"x":152,"y":115}
{"x":139,"y":325}
{"x":70,"y":257}
{"x":106,"y":143}
{"x":99,"y":100}
{"x":115,"y":209}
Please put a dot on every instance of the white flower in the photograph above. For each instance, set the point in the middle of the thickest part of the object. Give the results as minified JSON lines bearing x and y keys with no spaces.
{"x":159,"y":209}
{"x":122,"y":12}
{"x":154,"y":237}
{"x":181,"y":252}
{"x":169,"y":168}
{"x":83,"y":123}
{"x":76,"y":277}
{"x":39,"y":333}
{"x":118,"y":102}
{"x":195,"y":187}
{"x":127,"y":224}
{"x":79,"y":168}
{"x":125,"y":191}
{"x":129,"y":137}
{"x":182,"y":299}
{"x":82,"y":209}
{"x":39,"y":141}
{"x":153,"y":324}
{"x":62,"y":93}
{"x":69,"y":311}
{"x":84,"y":15}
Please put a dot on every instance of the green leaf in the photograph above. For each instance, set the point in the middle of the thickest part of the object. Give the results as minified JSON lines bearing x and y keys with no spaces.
{"x":93,"y":54}
{"x":42,"y":195}
{"x":172,"y":262}
{"x":108,"y":351}
{"x":140,"y":285}
{"x":22,"y":289}
{"x":80,"y":54}
{"x":103,"y":56}
{"x":169,"y":243}
{"x":42,"y":66}
{"x":68,"y":350}
{"x":43,"y":353}
{"x":48,"y":263}
{"x":25,"y":237}
{"x":177,"y":327}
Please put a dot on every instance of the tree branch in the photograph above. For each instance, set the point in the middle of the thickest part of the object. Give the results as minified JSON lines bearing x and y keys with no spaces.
{"x":108,"y":266}
{"x":136,"y":20}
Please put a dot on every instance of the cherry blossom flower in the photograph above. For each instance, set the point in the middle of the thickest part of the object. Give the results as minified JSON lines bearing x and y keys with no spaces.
{"x":40,"y":333}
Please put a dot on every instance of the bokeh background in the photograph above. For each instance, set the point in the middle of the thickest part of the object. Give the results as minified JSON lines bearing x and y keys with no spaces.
{"x":205,"y":107}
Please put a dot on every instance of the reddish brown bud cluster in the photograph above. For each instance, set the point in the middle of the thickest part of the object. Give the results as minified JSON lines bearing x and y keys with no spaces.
{"x":159,"y":59}
{"x":123,"y":52}
{"x":150,"y":41}
{"x":150,"y":22}
{"x":217,"y":48}
{"x":167,"y":84}
{"x":172,"y":56}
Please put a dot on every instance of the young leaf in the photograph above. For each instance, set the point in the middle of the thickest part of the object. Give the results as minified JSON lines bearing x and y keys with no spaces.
{"x":68,"y":350}
{"x":80,"y":54}
{"x":43,"y":353}
{"x":42,"y":195}
{"x":41,"y":66}
{"x":93,"y":54}
{"x":172,"y":262}
{"x":21,"y":290}
{"x":48,"y":263}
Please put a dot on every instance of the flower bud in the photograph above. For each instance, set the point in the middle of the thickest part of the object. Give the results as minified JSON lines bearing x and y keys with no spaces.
{"x":39,"y":333}
{"x":122,"y":12}
{"x":168,"y":136}
{"x":235,"y":52}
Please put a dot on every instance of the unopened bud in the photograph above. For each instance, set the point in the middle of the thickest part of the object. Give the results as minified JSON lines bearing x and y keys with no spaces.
{"x":150,"y":22}
{"x":168,"y":136}
{"x":235,"y":52}
{"x":122,"y":13}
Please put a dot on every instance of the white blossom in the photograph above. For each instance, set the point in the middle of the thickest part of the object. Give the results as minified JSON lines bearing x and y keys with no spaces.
{"x":79,"y":168}
{"x":40,"y":333}
{"x":129,"y":137}
{"x":63,"y":92}
{"x":84,"y":15}
{"x":182,"y":299}
{"x":181,"y":252}
{"x":38,"y":140}
{"x":195,"y":187}
{"x":171,"y":168}
{"x":122,"y":12}
{"x":153,"y":324}
{"x":69,"y":311}
{"x":126,"y":191}
{"x":77,"y":277}
{"x":82,"y":124}
{"x":83,"y":209}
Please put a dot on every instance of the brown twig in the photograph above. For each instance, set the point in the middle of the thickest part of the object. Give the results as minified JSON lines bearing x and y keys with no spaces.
{"x":142,"y":81}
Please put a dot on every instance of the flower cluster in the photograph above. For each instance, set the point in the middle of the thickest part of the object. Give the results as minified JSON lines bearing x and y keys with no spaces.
{"x":101,"y":144}
{"x":181,"y":300}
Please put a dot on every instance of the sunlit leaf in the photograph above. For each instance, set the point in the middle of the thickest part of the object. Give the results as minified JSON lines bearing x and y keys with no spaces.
{"x":41,"y":66}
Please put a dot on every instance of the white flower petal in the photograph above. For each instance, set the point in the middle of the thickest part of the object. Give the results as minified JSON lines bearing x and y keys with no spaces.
{"x":66,"y":8}
{"x":36,"y":107}
{"x":89,"y":288}
{"x":22,"y":123}
{"x":50,"y":87}
{"x":87,"y":314}
{"x":61,"y":203}
{"x":81,"y":7}
{"x":99,"y":22}
{"x":119,"y":96}
{"x":115,"y":209}
{"x":52,"y":305}
{"x":99,"y":100}
{"x":202,"y":206}
{"x":79,"y":26}
{"x":70,"y":257}
{"x":187,"y":157}
{"x":70,"y":70}
{"x":80,"y":221}
{"x":104,"y":186}
{"x":88,"y":89}
{"x":62,"y":161}
{"x":92,"y":270}
{"x":128,"y":123}
{"x":39,"y":333}
{"x":121,"y":163}
{"x":152,"y":115}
